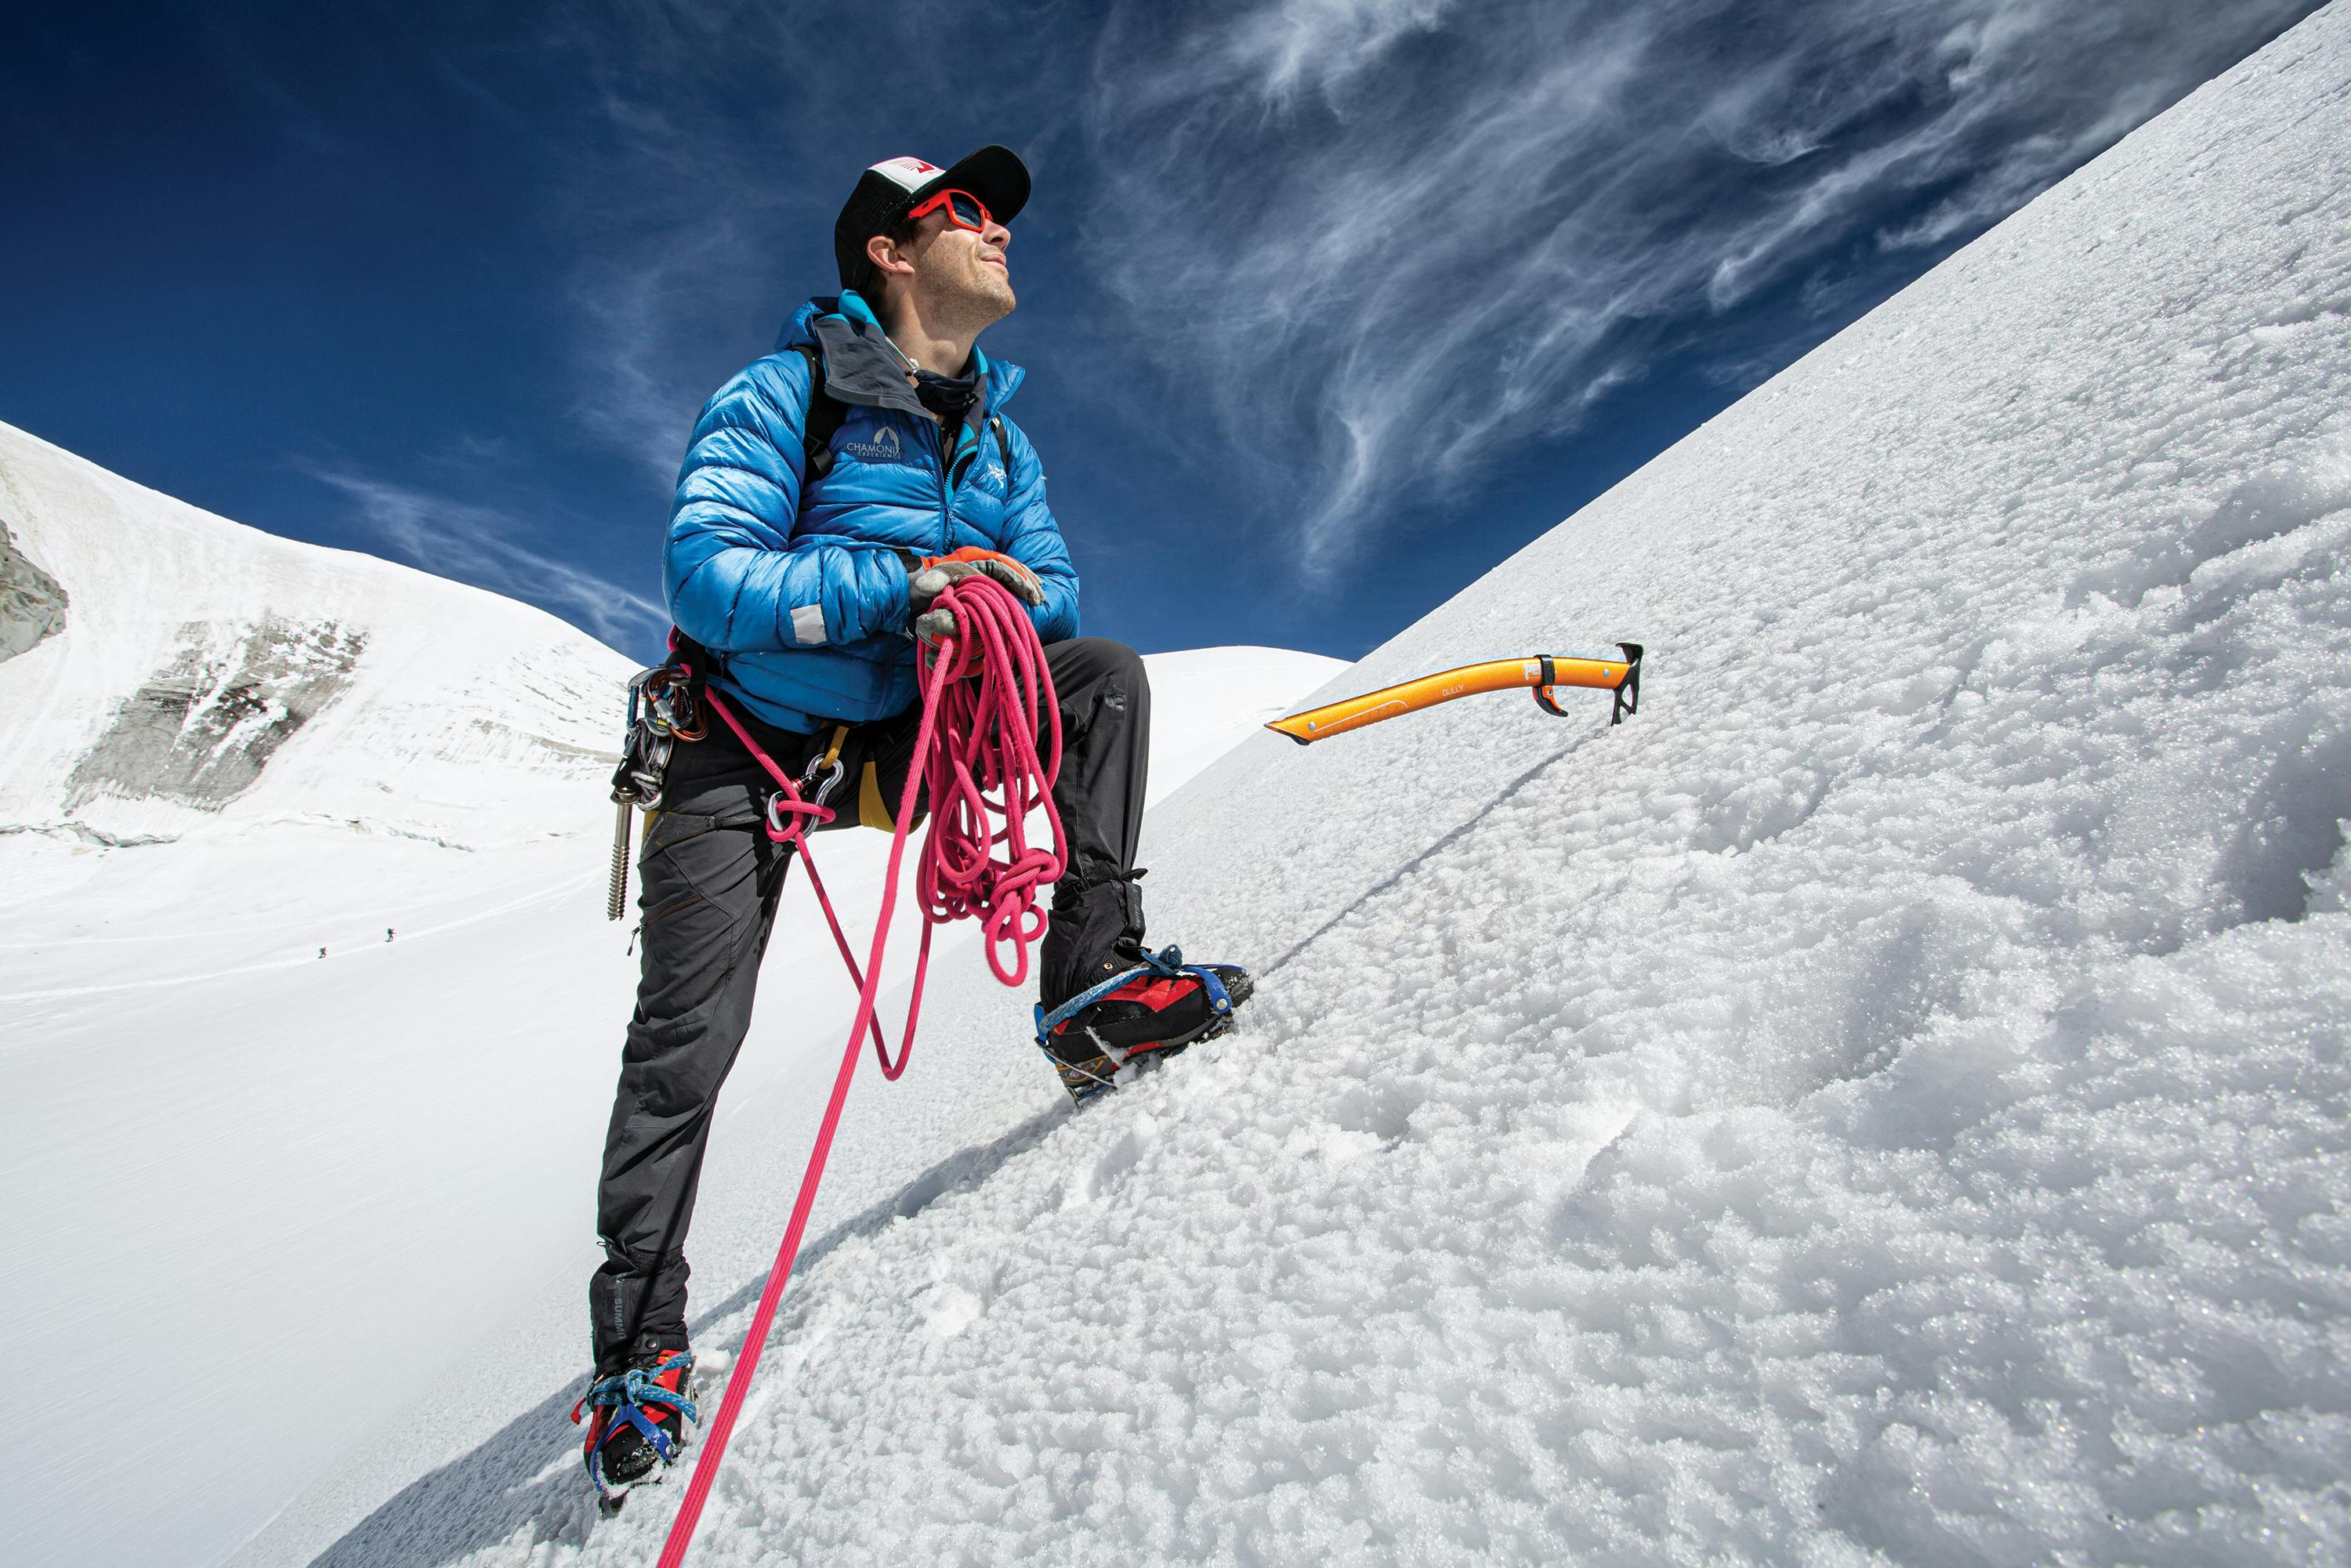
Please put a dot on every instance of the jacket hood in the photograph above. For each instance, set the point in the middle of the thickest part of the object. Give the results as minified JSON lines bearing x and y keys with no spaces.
{"x":861,"y":366}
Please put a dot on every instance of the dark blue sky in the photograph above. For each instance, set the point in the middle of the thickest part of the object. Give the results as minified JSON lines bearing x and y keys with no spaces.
{"x":1328,"y":305}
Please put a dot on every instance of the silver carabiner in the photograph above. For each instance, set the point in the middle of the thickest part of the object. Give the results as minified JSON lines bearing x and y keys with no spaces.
{"x":779,"y":806}
{"x":823,"y":791}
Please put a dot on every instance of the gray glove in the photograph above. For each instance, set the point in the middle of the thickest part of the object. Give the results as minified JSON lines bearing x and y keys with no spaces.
{"x":931,"y":577}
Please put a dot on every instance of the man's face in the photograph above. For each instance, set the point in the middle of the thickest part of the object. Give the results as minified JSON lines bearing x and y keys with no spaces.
{"x":961,"y":273}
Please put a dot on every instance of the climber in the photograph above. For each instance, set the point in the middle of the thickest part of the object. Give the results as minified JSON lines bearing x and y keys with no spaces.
{"x":831,"y":491}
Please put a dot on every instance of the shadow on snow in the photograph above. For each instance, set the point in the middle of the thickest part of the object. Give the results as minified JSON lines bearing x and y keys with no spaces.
{"x":527,"y":1479}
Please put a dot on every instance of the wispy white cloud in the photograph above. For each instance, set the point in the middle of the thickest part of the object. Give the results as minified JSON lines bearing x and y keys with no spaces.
{"x":1368,"y":247}
{"x":492,"y":548}
{"x":1385,"y":240}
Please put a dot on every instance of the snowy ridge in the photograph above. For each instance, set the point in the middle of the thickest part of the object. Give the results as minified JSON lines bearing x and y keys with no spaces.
{"x":207,"y":672}
{"x":1887,"y":1103}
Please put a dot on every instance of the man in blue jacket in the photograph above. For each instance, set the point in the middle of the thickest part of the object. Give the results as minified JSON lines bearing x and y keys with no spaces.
{"x":825,"y":485}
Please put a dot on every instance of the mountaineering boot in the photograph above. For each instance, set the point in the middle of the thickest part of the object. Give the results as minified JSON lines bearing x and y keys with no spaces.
{"x":637,"y":1422}
{"x":1155,"y":1006}
{"x":1155,"y":1011}
{"x":1106,"y":999}
{"x":1095,"y":931}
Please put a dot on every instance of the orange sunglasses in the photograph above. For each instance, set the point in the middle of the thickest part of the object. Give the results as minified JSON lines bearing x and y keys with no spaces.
{"x":964,"y":210}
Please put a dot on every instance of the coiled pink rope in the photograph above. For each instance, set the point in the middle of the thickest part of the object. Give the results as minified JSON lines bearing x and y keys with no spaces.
{"x":986,"y":696}
{"x":987,"y":745}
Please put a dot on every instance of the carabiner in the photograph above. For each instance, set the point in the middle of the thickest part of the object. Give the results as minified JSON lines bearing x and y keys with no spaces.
{"x":830,"y":757}
{"x":818,"y":795}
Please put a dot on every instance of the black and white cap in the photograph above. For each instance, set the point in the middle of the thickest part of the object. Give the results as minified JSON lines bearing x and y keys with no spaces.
{"x":888,"y":189}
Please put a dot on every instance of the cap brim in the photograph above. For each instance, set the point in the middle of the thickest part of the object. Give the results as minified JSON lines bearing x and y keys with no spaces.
{"x":995,"y":174}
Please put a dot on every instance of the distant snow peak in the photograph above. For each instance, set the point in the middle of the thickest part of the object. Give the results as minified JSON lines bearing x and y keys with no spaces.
{"x":32,"y":603}
{"x":201,"y":729}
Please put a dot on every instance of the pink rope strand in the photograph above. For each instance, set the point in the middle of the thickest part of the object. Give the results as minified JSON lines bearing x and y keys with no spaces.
{"x":986,"y":697}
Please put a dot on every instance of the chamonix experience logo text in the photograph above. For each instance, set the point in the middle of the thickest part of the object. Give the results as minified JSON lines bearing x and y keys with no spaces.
{"x":882,"y":447}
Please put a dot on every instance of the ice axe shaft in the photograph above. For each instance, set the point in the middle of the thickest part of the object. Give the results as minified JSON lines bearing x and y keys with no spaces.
{"x":1544,"y":671}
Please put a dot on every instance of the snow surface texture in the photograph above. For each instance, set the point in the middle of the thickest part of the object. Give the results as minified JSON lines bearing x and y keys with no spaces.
{"x":1886,"y":1103}
{"x":264,"y":1182}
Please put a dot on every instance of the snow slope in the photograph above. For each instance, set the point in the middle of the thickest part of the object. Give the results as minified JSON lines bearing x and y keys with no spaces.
{"x":1886,"y":1103}
{"x":209,"y":673}
{"x":209,"y":1131}
{"x":256,"y":1178}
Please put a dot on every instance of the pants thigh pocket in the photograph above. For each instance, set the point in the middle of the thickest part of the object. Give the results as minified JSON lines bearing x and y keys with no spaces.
{"x":691,"y":859}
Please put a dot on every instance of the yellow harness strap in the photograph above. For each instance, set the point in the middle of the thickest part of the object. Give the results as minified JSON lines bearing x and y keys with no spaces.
{"x":872,"y":811}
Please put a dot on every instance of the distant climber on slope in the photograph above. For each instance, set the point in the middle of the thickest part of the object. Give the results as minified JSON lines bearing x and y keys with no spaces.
{"x":833,"y":489}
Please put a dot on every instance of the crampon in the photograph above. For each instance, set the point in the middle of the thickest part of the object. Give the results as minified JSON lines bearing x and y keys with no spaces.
{"x":1155,"y":1006}
{"x":638,"y":1420}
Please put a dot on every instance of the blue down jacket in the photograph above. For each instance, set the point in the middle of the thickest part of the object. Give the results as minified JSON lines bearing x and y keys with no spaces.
{"x":800,"y":584}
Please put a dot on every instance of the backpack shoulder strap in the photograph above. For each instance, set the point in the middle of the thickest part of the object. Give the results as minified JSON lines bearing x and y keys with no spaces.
{"x":825,"y":414}
{"x":1004,"y":450}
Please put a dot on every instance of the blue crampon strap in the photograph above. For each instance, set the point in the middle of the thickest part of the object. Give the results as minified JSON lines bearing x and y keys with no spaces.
{"x":637,"y":1386}
{"x":1168,"y":962}
{"x":627,"y":1393}
{"x":650,"y":1431}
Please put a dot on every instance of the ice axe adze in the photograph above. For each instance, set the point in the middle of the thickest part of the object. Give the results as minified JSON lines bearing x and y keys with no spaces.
{"x":1541,"y":671}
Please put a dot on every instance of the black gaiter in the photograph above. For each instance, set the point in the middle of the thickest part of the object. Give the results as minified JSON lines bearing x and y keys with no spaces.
{"x":949,"y":397}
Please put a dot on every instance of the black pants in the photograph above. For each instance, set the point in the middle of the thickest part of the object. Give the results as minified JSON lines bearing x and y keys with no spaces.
{"x":711,"y":877}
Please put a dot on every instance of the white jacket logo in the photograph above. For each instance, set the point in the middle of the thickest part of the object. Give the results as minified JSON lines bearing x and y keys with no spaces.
{"x":882,"y":449}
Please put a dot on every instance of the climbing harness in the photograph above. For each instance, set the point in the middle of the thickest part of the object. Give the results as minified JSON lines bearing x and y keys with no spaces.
{"x":976,"y":756}
{"x":1544,"y":671}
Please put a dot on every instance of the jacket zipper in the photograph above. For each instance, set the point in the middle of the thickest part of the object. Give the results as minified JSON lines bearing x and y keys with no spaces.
{"x":947,"y":493}
{"x":938,"y":445}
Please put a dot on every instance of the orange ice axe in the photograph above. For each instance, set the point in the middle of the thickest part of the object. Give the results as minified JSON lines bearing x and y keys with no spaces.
{"x":1544,"y":671}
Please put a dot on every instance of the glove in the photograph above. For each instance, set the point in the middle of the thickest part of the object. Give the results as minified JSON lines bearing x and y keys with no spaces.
{"x":932,"y":577}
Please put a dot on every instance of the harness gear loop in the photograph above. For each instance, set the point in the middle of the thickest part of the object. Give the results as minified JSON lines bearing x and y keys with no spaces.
{"x":661,"y":712}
